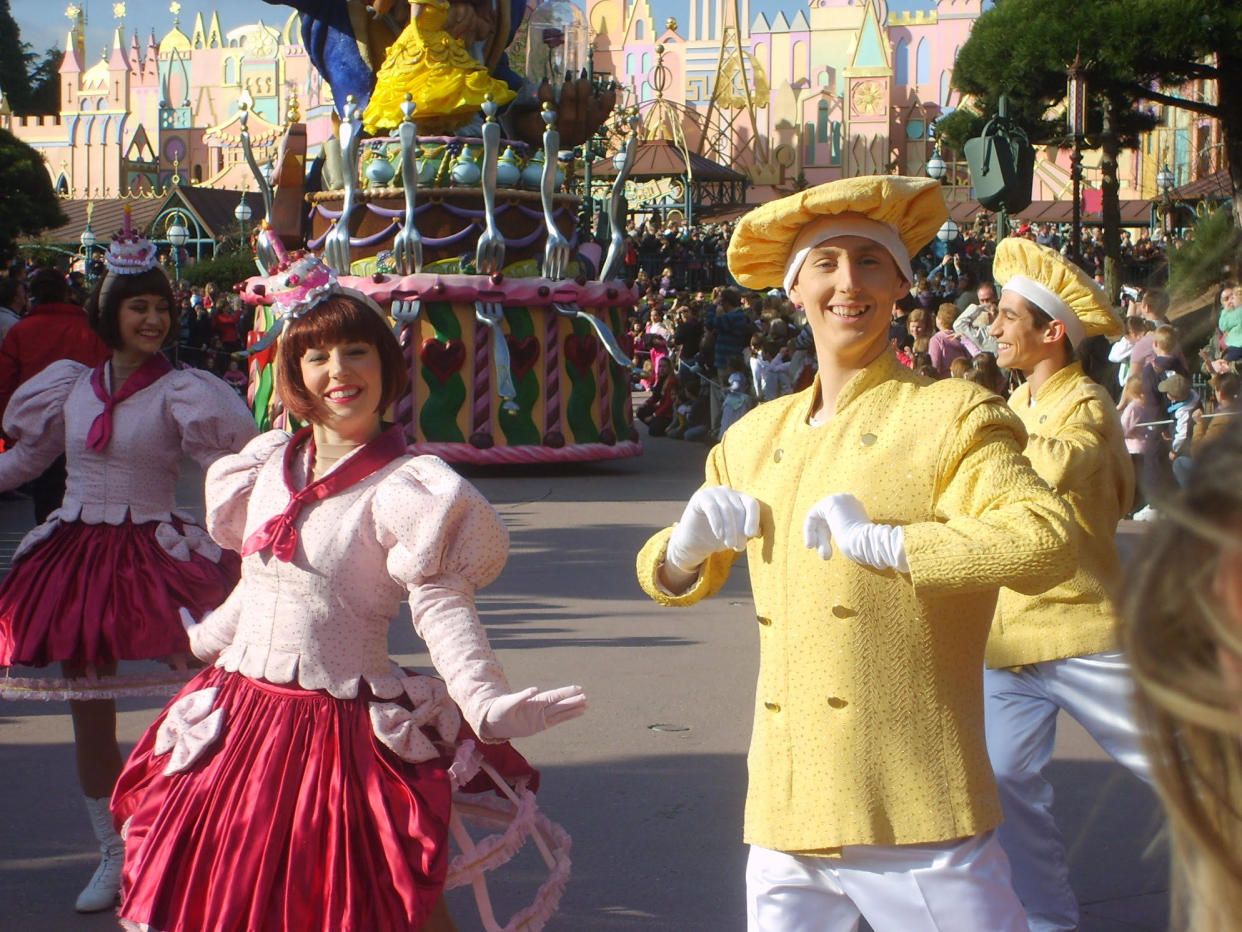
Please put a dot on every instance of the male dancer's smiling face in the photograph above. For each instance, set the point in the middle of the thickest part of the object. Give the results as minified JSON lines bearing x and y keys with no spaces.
{"x":847,"y":286}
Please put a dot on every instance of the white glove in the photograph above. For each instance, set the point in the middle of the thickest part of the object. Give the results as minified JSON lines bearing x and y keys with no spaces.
{"x":521,"y":714}
{"x":843,"y":519}
{"x":716,"y":518}
{"x":187,"y":620}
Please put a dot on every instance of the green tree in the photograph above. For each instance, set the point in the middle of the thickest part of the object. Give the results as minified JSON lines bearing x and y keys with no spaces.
{"x":28,"y":205}
{"x":15,"y":61}
{"x":45,"y":82}
{"x":1131,"y":48}
{"x":227,"y":269}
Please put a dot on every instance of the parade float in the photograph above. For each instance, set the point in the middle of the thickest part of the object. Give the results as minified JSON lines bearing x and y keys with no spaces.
{"x":506,"y":312}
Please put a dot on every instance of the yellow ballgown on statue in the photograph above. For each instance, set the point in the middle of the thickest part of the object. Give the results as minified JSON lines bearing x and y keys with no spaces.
{"x":447,"y":84}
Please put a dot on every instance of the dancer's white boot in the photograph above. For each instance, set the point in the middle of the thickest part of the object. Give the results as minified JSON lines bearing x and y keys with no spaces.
{"x":101,"y":892}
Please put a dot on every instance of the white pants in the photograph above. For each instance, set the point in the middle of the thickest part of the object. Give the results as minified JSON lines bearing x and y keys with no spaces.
{"x":1021,"y":714}
{"x":956,"y":886}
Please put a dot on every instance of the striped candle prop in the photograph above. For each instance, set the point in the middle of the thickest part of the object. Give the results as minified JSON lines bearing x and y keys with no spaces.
{"x":482,"y":423}
{"x":406,"y":408}
{"x":552,"y":360}
{"x":604,"y":367}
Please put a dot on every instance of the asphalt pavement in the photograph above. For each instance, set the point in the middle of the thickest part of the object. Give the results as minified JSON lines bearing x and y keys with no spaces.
{"x":650,"y":783}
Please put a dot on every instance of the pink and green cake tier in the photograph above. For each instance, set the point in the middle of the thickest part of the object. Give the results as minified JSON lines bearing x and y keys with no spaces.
{"x":571,"y":398}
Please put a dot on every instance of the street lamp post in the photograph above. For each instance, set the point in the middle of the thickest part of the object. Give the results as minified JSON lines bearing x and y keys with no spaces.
{"x":1164,"y":181}
{"x":1076,"y":117}
{"x":243,"y":213}
{"x":178,"y":236}
{"x":937,"y":168}
{"x":88,"y":240}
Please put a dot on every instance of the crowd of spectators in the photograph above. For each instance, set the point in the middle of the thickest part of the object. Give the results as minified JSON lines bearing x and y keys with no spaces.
{"x":703,"y":356}
{"x":212,"y":325}
{"x":213,"y":332}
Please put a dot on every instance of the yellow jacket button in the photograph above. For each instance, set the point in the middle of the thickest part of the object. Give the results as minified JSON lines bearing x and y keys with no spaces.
{"x":772,"y":706}
{"x":842,"y":611}
{"x":763,"y":621}
{"x":778,"y":455}
{"x":837,"y":702}
{"x":867,"y":439}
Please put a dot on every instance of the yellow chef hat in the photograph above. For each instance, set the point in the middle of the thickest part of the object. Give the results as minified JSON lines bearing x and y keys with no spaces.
{"x":1056,"y":286}
{"x":770,"y":243}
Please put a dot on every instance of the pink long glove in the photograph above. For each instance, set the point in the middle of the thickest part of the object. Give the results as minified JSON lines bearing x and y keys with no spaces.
{"x":521,"y":714}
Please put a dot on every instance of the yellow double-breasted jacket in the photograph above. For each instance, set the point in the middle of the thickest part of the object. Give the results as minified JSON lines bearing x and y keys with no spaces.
{"x":868,"y":721}
{"x":1076,"y":444}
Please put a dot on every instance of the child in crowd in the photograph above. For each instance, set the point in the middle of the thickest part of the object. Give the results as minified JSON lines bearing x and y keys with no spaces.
{"x":658,"y":412}
{"x":1167,"y":361}
{"x":754,"y":362}
{"x":737,"y":401}
{"x":774,"y":371}
{"x":1183,"y":404}
{"x":1134,"y":414}
{"x":945,"y":345}
{"x":1229,"y":323}
{"x":1225,"y":390}
{"x":990,"y":375}
{"x":666,"y":282}
{"x":236,"y":377}
{"x":1135,"y":330}
{"x":959,"y":367}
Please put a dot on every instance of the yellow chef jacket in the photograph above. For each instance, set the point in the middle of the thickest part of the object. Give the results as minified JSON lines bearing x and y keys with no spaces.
{"x":868,"y":721}
{"x":1077,"y":446}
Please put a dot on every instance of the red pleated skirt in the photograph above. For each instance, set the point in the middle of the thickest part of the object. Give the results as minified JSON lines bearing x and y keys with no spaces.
{"x":99,"y":593}
{"x":295,"y":818}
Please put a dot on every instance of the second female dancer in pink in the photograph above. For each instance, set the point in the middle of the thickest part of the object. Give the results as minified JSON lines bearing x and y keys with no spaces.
{"x":104,"y":578}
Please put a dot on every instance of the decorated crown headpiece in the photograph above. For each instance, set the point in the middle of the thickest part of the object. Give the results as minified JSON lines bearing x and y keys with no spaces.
{"x":297,"y":282}
{"x":130,"y":253}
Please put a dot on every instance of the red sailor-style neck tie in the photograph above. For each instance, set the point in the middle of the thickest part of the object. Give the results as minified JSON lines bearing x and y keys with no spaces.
{"x":152,"y":370}
{"x":278,"y":533}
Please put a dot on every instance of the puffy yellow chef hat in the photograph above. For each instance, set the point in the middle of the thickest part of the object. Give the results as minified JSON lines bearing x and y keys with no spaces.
{"x":770,"y":243}
{"x":1056,"y":286}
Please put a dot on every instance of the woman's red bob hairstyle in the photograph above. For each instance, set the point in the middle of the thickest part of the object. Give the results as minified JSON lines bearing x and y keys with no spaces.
{"x":338,"y":319}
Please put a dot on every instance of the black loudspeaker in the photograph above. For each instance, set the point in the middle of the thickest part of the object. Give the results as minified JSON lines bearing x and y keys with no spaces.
{"x":1002,"y":167}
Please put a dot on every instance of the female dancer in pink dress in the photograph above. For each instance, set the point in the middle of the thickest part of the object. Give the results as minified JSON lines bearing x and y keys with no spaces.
{"x":304,"y":780}
{"x":103,"y":579}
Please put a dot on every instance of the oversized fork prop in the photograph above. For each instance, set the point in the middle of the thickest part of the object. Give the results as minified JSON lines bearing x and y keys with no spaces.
{"x":265,"y":253}
{"x":489,"y":255}
{"x":492,"y":314}
{"x":336,"y":248}
{"x":556,"y":251}
{"x":602,"y":332}
{"x":616,"y":212}
{"x":407,"y":246}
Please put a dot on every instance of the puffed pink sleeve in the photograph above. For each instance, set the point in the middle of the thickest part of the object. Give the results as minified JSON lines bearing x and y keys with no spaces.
{"x":214,"y":422}
{"x":215,"y":630}
{"x":230,"y":480}
{"x":35,"y":420}
{"x":444,"y":541}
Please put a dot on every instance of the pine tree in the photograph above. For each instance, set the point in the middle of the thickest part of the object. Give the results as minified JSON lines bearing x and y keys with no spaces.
{"x":15,"y":62}
{"x":45,"y":82}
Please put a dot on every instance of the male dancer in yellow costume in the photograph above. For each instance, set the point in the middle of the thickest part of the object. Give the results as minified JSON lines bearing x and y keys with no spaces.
{"x":879,"y":513}
{"x":1058,"y":649}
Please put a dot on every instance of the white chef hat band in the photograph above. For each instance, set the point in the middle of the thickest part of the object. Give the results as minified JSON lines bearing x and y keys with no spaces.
{"x":1050,"y":303}
{"x":831,"y":226}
